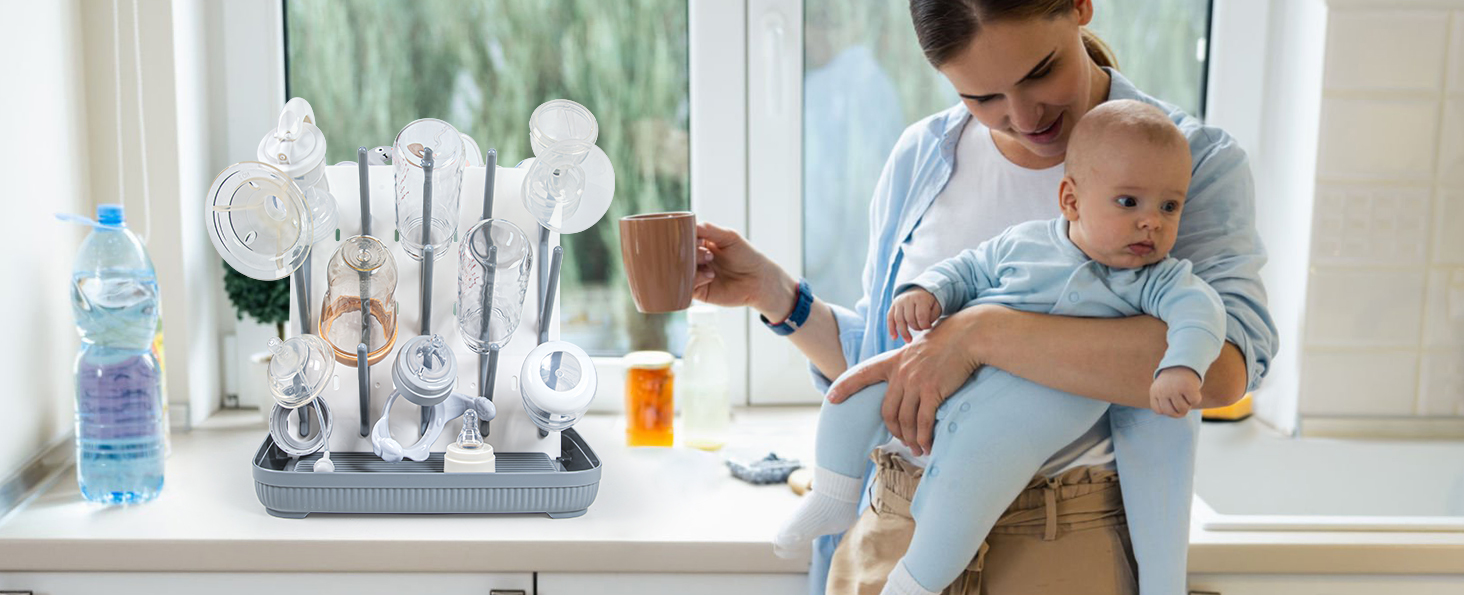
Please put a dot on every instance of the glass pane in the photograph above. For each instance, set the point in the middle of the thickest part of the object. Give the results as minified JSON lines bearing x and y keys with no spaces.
{"x":1160,"y":46}
{"x":369,"y":68}
{"x":864,"y":81}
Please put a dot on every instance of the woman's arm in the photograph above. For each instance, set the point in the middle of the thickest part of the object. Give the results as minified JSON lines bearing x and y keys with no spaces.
{"x":818,"y":338}
{"x":731,"y":272}
{"x":1106,"y":359}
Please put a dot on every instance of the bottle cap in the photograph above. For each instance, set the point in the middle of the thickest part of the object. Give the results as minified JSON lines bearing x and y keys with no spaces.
{"x":649,"y":359}
{"x":111,"y":215}
{"x":702,"y":315}
{"x":296,"y":145}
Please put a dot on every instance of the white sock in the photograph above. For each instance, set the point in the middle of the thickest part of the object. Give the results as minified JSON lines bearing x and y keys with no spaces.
{"x":900,"y":583}
{"x":832,"y":507}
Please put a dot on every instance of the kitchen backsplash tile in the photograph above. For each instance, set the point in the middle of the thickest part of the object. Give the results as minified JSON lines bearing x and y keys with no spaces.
{"x":1383,"y":327}
{"x":1364,"y":307}
{"x":1441,"y":383}
{"x":1451,"y":143}
{"x":1386,"y":49}
{"x":1448,"y":231}
{"x":1377,"y":138}
{"x":1370,"y":225}
{"x":1456,"y":53}
{"x":1359,"y":383}
{"x":1443,"y":313}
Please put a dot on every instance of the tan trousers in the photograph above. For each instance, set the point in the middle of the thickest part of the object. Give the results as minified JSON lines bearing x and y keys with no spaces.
{"x":1066,"y":535}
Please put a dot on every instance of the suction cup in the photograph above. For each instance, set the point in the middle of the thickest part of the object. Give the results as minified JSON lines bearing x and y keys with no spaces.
{"x":258,"y":221}
{"x":560,"y":121}
{"x":299,"y":369}
{"x":569,"y":187}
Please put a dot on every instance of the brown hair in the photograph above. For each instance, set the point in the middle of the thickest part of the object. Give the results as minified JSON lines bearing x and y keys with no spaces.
{"x":945,"y":27}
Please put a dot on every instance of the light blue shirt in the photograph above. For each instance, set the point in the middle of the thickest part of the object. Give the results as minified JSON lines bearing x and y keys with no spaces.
{"x":1217,"y":234}
{"x":1036,"y":267}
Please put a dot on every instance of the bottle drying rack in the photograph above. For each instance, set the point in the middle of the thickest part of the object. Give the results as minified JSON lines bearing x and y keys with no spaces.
{"x":553,"y":473}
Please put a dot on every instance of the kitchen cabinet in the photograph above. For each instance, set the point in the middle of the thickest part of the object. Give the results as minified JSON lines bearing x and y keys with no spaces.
{"x":1276,"y":583}
{"x":673,"y":583}
{"x":266,"y":583}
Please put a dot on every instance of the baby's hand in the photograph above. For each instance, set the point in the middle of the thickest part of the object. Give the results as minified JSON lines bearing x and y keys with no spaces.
{"x":1175,"y":391}
{"x":915,"y":309}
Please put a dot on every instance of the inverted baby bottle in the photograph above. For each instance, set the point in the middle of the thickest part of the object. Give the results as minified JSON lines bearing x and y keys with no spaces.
{"x":447,"y":175}
{"x":493,"y":269}
{"x":359,"y":306}
{"x":258,"y":221}
{"x":299,"y":369}
{"x":297,"y":148}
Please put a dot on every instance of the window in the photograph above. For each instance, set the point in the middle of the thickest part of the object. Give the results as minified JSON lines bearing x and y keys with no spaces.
{"x":795,"y":104}
{"x":865,"y":80}
{"x":368,"y":68}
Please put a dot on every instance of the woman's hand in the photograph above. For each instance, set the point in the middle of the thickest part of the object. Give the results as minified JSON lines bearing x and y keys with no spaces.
{"x":730,"y":272}
{"x":921,"y":376}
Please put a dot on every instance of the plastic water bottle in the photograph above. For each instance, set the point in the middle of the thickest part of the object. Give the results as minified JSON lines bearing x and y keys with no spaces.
{"x":705,"y":406}
{"x":119,"y":396}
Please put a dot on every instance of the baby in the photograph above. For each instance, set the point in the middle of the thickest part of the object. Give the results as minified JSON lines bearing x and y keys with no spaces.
{"x":1126,"y":176}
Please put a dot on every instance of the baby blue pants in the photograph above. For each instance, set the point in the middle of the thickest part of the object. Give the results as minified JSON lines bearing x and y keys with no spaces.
{"x":991,"y":436}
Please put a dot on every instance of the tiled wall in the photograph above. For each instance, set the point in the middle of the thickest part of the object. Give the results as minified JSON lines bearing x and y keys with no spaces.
{"x":1384,"y":319}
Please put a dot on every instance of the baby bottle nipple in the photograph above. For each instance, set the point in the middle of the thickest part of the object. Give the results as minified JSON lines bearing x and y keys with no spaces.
{"x":470,"y":439}
{"x":469,"y":454}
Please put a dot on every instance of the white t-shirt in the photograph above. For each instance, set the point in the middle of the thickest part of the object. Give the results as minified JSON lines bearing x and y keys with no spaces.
{"x":986,"y":195}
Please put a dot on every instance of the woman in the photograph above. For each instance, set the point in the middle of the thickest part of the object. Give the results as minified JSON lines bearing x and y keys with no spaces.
{"x":1027,"y":71}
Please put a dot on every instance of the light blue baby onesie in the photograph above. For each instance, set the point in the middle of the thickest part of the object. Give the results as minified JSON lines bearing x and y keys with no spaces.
{"x":989,"y":443}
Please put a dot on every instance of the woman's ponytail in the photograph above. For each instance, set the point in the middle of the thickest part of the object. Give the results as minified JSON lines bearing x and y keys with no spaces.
{"x":1098,"y":50}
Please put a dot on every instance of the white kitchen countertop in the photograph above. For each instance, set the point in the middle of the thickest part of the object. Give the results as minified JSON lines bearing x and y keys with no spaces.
{"x":658,"y":510}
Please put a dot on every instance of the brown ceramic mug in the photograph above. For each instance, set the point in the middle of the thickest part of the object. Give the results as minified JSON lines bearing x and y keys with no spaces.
{"x":659,"y":254}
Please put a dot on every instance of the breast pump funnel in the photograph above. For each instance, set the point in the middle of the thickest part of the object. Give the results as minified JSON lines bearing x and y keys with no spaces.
{"x":258,"y":221}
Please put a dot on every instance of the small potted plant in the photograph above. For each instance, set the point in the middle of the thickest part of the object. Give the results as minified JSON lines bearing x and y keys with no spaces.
{"x":267,"y":302}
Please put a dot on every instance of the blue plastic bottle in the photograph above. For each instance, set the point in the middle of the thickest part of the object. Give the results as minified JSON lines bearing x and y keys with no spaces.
{"x":119,"y":398}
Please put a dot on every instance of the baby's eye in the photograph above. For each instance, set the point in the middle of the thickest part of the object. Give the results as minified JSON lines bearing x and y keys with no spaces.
{"x":1126,"y":201}
{"x":1171,"y":207}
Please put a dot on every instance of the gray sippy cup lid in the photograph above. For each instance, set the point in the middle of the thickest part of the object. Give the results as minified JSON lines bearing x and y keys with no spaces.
{"x":425,"y":370}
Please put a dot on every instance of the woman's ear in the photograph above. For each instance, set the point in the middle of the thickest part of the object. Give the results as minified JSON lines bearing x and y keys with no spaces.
{"x":1067,"y":198}
{"x":1084,"y":9}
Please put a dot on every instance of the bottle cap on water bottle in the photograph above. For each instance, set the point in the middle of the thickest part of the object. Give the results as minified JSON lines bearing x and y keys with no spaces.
{"x":701,"y":315}
{"x":111,"y":215}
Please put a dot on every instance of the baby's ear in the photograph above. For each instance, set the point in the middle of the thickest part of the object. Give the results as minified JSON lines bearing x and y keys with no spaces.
{"x":1067,"y":198}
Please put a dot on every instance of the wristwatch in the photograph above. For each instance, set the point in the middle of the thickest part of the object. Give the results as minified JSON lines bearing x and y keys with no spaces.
{"x":801,"y":309}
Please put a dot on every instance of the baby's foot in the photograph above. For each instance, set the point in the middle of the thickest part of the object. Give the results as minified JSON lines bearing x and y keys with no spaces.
{"x":832,"y":507}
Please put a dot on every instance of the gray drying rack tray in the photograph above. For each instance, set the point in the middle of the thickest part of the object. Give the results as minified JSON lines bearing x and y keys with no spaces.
{"x":525,"y":482}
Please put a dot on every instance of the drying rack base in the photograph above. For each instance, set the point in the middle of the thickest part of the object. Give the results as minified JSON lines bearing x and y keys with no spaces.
{"x":525,"y":483}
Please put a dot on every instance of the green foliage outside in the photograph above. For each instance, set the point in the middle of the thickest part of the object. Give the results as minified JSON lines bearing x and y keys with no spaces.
{"x":369,"y":68}
{"x":267,"y":302}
